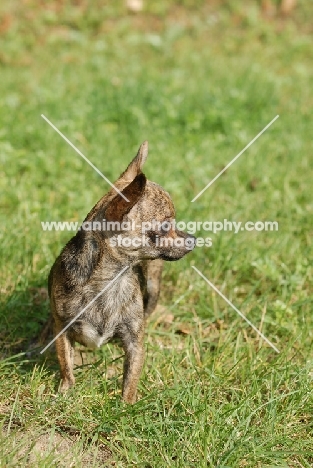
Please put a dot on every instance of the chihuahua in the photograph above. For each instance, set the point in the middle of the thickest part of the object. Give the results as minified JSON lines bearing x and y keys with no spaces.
{"x":110,"y":279}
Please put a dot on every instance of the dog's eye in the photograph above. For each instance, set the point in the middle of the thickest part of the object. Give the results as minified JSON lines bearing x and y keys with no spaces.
{"x":165,"y":227}
{"x":152,"y":236}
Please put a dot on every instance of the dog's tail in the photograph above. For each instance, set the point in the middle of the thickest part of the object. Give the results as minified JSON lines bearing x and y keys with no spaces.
{"x":36,"y":343}
{"x":46,"y":331}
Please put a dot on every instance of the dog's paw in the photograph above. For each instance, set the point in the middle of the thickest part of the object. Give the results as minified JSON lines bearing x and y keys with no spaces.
{"x":66,"y":384}
{"x":130,"y":398}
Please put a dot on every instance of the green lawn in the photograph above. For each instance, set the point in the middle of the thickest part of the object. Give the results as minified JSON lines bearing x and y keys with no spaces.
{"x":199,"y":82}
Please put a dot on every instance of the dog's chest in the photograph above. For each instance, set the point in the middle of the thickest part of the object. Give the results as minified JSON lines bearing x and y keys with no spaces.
{"x":91,"y":336}
{"x":111,"y":310}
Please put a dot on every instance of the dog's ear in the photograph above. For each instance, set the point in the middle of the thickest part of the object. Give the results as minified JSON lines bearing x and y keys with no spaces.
{"x":119,"y":207}
{"x":135,"y":167}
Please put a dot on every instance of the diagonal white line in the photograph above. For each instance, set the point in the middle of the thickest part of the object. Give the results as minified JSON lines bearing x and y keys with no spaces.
{"x":84,"y":157}
{"x":85,"y":308}
{"x":235,"y":158}
{"x":235,"y":309}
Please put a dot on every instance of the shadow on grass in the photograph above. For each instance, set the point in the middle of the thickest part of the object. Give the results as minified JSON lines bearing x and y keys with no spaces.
{"x":23,"y":314}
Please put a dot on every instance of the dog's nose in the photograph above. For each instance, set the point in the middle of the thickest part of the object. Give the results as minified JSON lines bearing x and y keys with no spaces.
{"x":190,"y":242}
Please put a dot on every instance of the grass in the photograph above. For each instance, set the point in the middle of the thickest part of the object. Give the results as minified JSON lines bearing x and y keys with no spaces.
{"x":199,"y":82}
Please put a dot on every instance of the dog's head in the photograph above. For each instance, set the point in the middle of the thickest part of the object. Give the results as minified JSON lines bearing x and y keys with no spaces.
{"x":140,"y":222}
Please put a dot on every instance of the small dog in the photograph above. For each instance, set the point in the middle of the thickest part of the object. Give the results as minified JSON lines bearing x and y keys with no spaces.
{"x":92,"y":259}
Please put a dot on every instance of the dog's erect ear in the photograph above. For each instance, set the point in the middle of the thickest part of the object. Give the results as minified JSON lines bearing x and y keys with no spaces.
{"x":119,"y":207}
{"x":135,"y":167}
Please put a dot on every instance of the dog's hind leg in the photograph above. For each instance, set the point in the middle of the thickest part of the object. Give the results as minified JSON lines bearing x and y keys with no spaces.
{"x":65,"y":352}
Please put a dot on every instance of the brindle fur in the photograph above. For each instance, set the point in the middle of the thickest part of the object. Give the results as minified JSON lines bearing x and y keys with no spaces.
{"x":89,"y":262}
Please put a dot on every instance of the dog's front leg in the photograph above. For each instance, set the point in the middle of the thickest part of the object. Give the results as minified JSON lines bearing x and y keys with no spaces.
{"x":133,"y":345}
{"x":65,"y":353}
{"x":153,"y":271}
